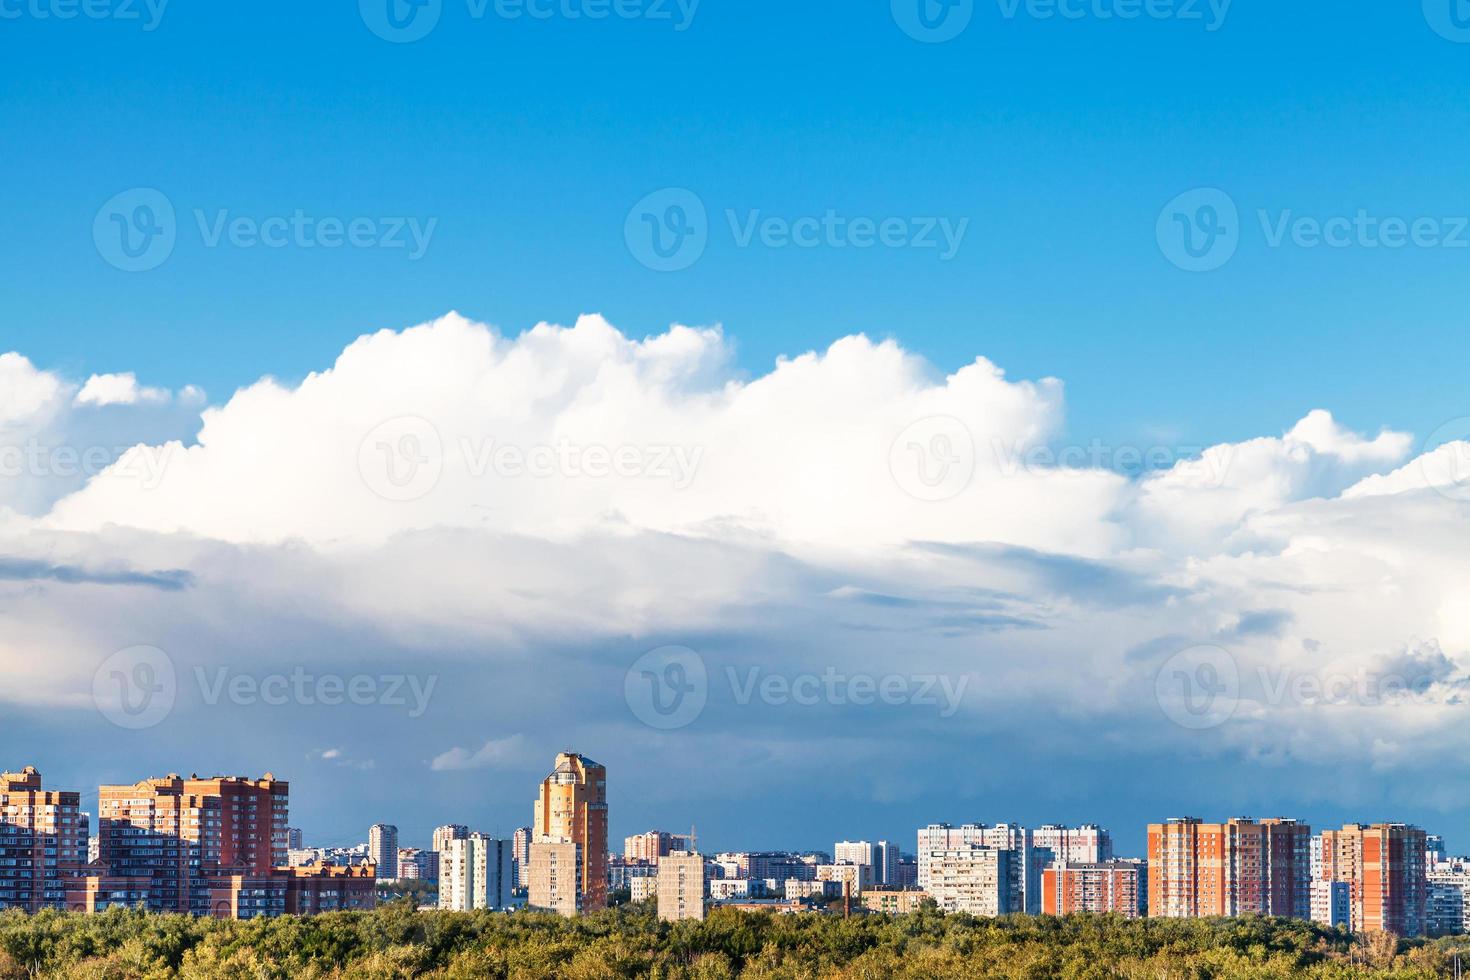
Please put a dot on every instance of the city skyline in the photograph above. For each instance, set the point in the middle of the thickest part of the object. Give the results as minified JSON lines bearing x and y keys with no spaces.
{"x":419,"y":400}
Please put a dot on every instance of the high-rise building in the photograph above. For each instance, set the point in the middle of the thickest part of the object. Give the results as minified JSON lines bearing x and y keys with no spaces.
{"x":1238,"y":867}
{"x":970,"y":878}
{"x":43,"y":843}
{"x":205,"y":846}
{"x":681,"y":880}
{"x":572,"y":808}
{"x":1384,"y":866}
{"x":294,"y":839}
{"x":1434,"y":850}
{"x":476,"y":873}
{"x":1448,"y":906}
{"x":653,"y":845}
{"x":853,"y":852}
{"x":1088,"y":844}
{"x":450,"y":831}
{"x":383,"y":849}
{"x":555,"y":879}
{"x":521,"y":854}
{"x":1023,"y":869}
{"x":886,"y":857}
{"x":1111,"y":886}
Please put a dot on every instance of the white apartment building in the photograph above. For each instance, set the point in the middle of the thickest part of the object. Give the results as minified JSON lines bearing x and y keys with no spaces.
{"x":881,"y":855}
{"x":970,"y":879}
{"x":1023,"y":870}
{"x":1088,"y":844}
{"x":383,"y":850}
{"x":1448,"y":911}
{"x":476,"y":872}
{"x":1330,"y":902}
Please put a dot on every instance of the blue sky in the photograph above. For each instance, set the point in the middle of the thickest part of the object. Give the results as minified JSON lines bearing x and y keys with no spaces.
{"x":521,"y":147}
{"x":529,"y":141}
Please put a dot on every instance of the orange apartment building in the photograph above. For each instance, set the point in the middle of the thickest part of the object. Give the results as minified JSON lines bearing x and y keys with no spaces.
{"x":1384,"y":866}
{"x":1238,"y":867}
{"x":209,"y":846}
{"x":1108,"y":886}
{"x":329,"y":888}
{"x":572,"y":809}
{"x":43,"y":842}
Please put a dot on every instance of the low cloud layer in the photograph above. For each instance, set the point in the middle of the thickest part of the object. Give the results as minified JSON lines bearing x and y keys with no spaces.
{"x":846,"y":547}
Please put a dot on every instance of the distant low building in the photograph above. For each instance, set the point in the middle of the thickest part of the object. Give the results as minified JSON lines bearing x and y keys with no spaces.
{"x":893,"y":901}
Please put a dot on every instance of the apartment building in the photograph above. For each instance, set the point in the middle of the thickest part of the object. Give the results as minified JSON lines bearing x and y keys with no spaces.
{"x":521,"y":854}
{"x":477,"y":872}
{"x":971,"y":878}
{"x":329,"y":888}
{"x":555,"y":882}
{"x":1238,"y":867}
{"x":383,"y":850}
{"x":43,"y":842}
{"x":1088,"y":844}
{"x":654,"y":844}
{"x":206,"y":846}
{"x":1023,"y":869}
{"x":852,"y":878}
{"x":417,"y":865}
{"x":1384,"y":866}
{"x":1447,"y":910}
{"x":680,"y":888}
{"x":1117,"y":887}
{"x":1331,"y":903}
{"x":572,"y":808}
{"x":893,"y":901}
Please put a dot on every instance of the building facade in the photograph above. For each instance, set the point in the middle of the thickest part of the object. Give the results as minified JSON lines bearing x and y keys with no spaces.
{"x":477,"y":872}
{"x":43,"y":842}
{"x":555,"y":883}
{"x":1117,"y":887}
{"x":971,"y":879}
{"x":654,"y":844}
{"x":572,"y":808}
{"x":681,"y":878}
{"x":383,"y":850}
{"x":1384,"y":866}
{"x":207,"y":846}
{"x":1088,"y":844}
{"x":1239,"y":867}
